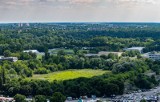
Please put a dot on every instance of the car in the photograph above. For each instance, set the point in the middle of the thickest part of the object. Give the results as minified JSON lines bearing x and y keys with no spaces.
{"x":83,"y":97}
{"x":69,"y":98}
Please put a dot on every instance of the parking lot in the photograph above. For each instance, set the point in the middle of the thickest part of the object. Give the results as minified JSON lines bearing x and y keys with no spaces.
{"x":152,"y":95}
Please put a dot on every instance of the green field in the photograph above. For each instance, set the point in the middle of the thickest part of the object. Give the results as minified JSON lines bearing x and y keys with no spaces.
{"x":70,"y":74}
{"x":39,"y":56}
{"x":67,"y":51}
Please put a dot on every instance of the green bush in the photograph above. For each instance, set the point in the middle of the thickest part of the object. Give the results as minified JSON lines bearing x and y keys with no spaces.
{"x":41,"y":71}
{"x":19,"y":98}
{"x":40,"y":98}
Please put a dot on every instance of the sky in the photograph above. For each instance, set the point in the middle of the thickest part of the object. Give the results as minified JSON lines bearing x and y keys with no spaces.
{"x":79,"y":11}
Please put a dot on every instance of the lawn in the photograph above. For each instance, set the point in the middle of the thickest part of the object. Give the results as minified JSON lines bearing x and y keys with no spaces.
{"x":39,"y":56}
{"x":70,"y":74}
{"x":67,"y":51}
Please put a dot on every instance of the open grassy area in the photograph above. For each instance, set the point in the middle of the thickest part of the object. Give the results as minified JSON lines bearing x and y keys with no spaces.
{"x":39,"y":56}
{"x":67,"y":51}
{"x":70,"y":74}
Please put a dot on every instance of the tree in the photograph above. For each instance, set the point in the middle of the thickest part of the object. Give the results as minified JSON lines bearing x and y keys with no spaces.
{"x":25,"y":90}
{"x":112,"y":56}
{"x":7,"y":53}
{"x":19,"y":98}
{"x":75,"y":50}
{"x":41,"y":71}
{"x":61,"y":53}
{"x":143,"y":82}
{"x":47,"y":54}
{"x":143,"y":100}
{"x":58,"y":97}
{"x":3,"y":77}
{"x":40,"y":98}
{"x":98,"y":101}
{"x":156,"y":68}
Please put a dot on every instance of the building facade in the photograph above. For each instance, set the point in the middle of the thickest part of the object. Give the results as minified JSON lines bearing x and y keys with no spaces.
{"x":152,"y":55}
{"x":12,"y":59}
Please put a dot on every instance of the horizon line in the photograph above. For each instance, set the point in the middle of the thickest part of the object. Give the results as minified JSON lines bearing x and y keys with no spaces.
{"x":77,"y":22}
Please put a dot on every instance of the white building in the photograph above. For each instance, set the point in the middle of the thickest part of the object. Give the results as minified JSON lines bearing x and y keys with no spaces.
{"x":140,"y":49}
{"x":6,"y":99}
{"x":152,"y":55}
{"x":13,"y":59}
{"x":33,"y":51}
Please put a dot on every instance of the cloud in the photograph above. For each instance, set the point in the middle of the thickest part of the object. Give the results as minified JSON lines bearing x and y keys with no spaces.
{"x":65,"y":3}
{"x":79,"y":10}
{"x":95,"y":1}
{"x":140,"y":1}
{"x":83,"y":1}
{"x":16,"y":2}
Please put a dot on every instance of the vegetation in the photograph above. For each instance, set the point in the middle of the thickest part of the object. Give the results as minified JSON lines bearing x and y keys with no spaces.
{"x":61,"y":72}
{"x":40,"y":98}
{"x":19,"y":98}
{"x":58,"y":97}
{"x":70,"y":74}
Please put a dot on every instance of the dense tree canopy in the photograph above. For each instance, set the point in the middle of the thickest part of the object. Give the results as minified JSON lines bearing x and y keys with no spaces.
{"x":82,"y":39}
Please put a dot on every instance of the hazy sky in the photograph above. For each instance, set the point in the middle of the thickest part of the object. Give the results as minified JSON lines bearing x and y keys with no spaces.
{"x":79,"y":10}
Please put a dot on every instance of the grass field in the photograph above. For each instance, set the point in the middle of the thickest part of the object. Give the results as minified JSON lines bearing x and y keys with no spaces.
{"x":67,"y":51}
{"x":70,"y":74}
{"x":39,"y":56}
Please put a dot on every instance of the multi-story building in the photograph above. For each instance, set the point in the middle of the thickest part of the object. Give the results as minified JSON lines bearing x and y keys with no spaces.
{"x":153,"y":55}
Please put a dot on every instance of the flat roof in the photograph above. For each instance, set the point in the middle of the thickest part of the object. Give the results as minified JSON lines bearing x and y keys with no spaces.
{"x":137,"y":48}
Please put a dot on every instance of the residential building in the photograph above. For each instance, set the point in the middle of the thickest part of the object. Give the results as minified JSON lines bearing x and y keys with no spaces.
{"x":13,"y":59}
